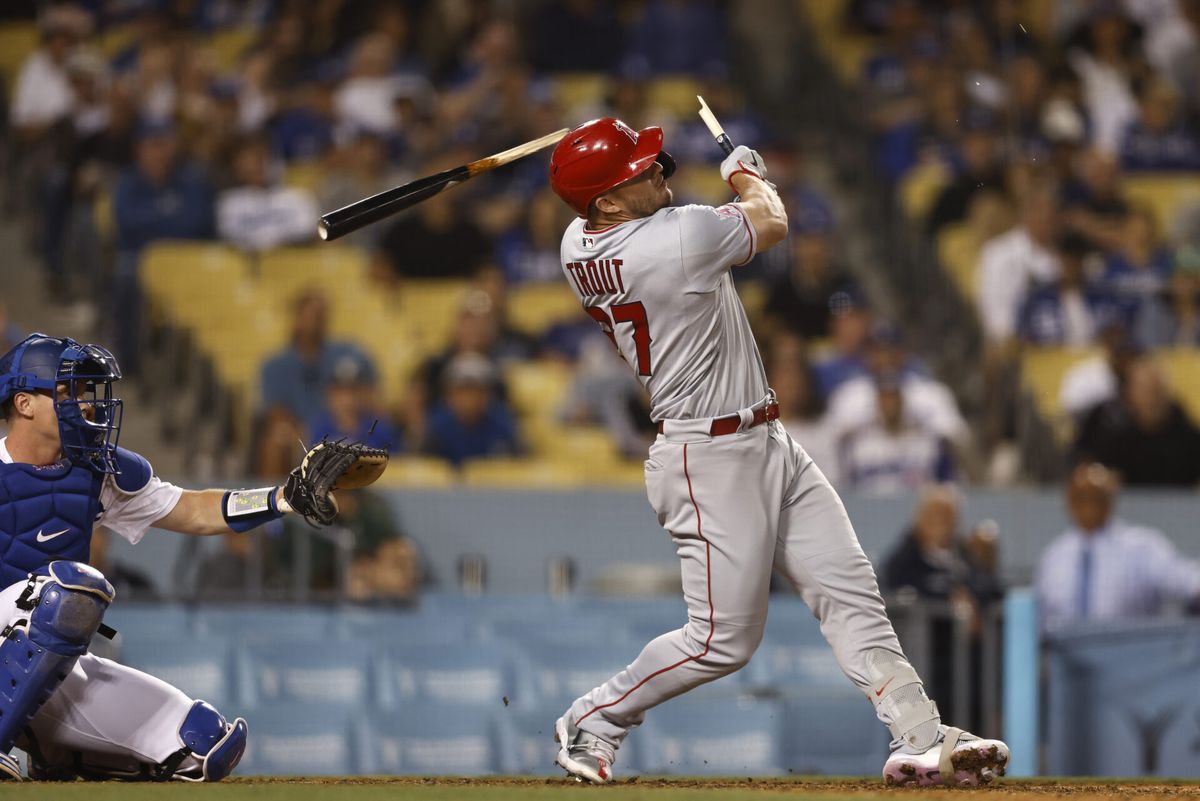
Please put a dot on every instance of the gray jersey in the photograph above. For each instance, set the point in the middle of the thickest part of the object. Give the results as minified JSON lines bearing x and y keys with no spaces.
{"x":660,"y":288}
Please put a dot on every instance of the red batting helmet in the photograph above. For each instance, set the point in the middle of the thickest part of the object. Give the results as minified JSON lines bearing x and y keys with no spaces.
{"x":600,"y":154}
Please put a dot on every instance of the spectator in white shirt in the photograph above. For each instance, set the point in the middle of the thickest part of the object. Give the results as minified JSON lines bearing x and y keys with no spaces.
{"x":43,"y":94}
{"x":1105,"y":569}
{"x":1014,"y":261}
{"x":892,"y":454}
{"x":253,"y":214}
{"x":1093,"y":381}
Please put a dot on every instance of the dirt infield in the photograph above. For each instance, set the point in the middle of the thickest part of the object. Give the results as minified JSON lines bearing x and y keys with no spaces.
{"x":633,"y":789}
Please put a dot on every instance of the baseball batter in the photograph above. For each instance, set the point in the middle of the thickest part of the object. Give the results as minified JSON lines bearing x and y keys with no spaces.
{"x":738,"y":496}
{"x":61,"y":473}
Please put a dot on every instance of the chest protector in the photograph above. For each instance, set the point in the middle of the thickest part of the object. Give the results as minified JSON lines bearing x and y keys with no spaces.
{"x":47,"y":512}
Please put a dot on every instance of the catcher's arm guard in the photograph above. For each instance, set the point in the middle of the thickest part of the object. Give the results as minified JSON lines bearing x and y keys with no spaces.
{"x":331,"y":465}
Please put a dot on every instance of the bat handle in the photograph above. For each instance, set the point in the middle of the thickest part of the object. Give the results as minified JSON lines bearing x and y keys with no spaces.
{"x":724,"y":143}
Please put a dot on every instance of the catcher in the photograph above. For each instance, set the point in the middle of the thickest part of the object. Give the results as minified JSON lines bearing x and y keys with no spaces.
{"x":61,"y":473}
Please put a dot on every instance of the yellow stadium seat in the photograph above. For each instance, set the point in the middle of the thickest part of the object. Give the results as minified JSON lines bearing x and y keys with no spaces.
{"x":958,"y":252}
{"x":538,"y":388}
{"x":920,"y":187}
{"x":585,"y":446}
{"x":626,"y":473}
{"x":17,"y":41}
{"x":115,"y":39}
{"x":1182,"y":366}
{"x":305,"y":175}
{"x":532,"y":308}
{"x":754,"y":298}
{"x":417,"y":471}
{"x":1165,"y":193}
{"x":521,"y":474}
{"x":702,"y":184}
{"x":674,"y":94}
{"x":336,"y":269}
{"x":231,"y":44}
{"x":1042,"y":371}
{"x":191,"y":280}
{"x":576,"y":90}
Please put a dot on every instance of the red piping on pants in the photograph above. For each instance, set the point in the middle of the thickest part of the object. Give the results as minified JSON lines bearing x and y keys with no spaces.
{"x":711,"y":611}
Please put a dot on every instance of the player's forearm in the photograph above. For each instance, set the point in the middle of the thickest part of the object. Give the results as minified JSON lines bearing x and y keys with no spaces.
{"x":204,"y":513}
{"x":763,"y":208}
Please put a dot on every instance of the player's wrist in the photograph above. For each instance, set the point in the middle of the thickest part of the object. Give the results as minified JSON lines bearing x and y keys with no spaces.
{"x":244,"y":510}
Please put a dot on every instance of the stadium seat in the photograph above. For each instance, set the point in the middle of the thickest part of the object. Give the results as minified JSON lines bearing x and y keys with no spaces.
{"x":532,"y":308}
{"x":301,"y":739}
{"x":522,"y":474}
{"x":202,"y":668}
{"x":477,"y":674}
{"x":740,"y":737}
{"x":1182,"y":366}
{"x":309,"y":670}
{"x":834,"y":733}
{"x":674,"y":94}
{"x":920,"y":186}
{"x":417,"y":471}
{"x":575,"y":91}
{"x":1042,"y":371}
{"x":137,"y":621}
{"x":958,"y":252}
{"x":438,"y":739}
{"x":1165,"y":193}
{"x":191,"y":279}
{"x":536,"y":386}
{"x":17,"y":41}
{"x":258,"y":623}
{"x":404,"y":629}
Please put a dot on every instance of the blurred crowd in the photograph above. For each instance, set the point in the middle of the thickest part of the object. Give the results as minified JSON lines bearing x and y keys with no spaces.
{"x":136,"y":122}
{"x":196,"y":124}
{"x":1031,"y":116}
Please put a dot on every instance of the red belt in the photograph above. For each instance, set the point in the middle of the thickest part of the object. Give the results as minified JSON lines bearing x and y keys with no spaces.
{"x":733,"y":423}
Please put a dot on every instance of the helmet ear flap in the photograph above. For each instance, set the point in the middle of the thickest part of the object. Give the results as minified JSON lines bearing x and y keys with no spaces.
{"x":668,"y":163}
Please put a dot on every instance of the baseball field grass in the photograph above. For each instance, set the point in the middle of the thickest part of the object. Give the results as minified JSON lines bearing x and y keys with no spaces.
{"x":641,"y":789}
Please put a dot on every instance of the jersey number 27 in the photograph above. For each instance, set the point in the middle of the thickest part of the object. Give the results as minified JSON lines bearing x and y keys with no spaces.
{"x":627,"y":313}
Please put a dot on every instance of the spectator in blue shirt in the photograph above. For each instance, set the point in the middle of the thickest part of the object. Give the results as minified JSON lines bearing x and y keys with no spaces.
{"x":295,"y":379}
{"x":470,"y":423}
{"x":1160,"y":138}
{"x":160,"y":197}
{"x":351,"y":410}
{"x":1070,"y":311}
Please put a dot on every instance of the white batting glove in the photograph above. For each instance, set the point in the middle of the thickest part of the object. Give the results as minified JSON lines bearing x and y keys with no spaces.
{"x":743,"y":160}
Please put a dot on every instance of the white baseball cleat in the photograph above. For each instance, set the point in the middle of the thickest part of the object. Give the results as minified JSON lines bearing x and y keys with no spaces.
{"x":10,"y":769}
{"x":582,"y":755}
{"x":957,"y":758}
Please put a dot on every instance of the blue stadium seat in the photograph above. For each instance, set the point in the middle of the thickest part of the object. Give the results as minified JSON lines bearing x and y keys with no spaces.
{"x":783,"y":668}
{"x":308,"y":671}
{"x":403,"y":628}
{"x":141,"y":620}
{"x":569,"y":631}
{"x":301,"y":739}
{"x":258,"y":623}
{"x":202,"y":668}
{"x":468,"y":674}
{"x":720,"y":737}
{"x":496,"y":607}
{"x":437,"y":739}
{"x":834,"y":733}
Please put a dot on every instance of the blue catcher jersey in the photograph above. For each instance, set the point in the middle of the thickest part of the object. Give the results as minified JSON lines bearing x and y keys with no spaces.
{"x":47,"y":512}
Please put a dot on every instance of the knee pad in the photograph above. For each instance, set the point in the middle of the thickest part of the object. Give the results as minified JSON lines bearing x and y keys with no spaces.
{"x":218,"y":745}
{"x":38,"y":655}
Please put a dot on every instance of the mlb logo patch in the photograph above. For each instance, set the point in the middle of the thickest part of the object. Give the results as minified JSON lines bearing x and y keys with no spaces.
{"x":589,"y":242}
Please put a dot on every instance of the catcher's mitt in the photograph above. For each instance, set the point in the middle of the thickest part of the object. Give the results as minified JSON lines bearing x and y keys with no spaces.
{"x":330,"y":465}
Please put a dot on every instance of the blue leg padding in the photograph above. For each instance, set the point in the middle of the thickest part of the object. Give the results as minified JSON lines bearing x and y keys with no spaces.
{"x":220,"y":745}
{"x":34,"y":662}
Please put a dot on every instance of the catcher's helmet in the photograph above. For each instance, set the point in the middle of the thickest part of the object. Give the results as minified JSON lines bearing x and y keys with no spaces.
{"x":600,"y":154}
{"x":41,"y":362}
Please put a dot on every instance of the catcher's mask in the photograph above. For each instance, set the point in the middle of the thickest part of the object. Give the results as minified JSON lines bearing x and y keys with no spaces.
{"x":89,"y":417}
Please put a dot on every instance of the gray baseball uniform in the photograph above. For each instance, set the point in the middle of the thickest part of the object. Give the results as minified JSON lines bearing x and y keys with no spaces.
{"x":736,"y":505}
